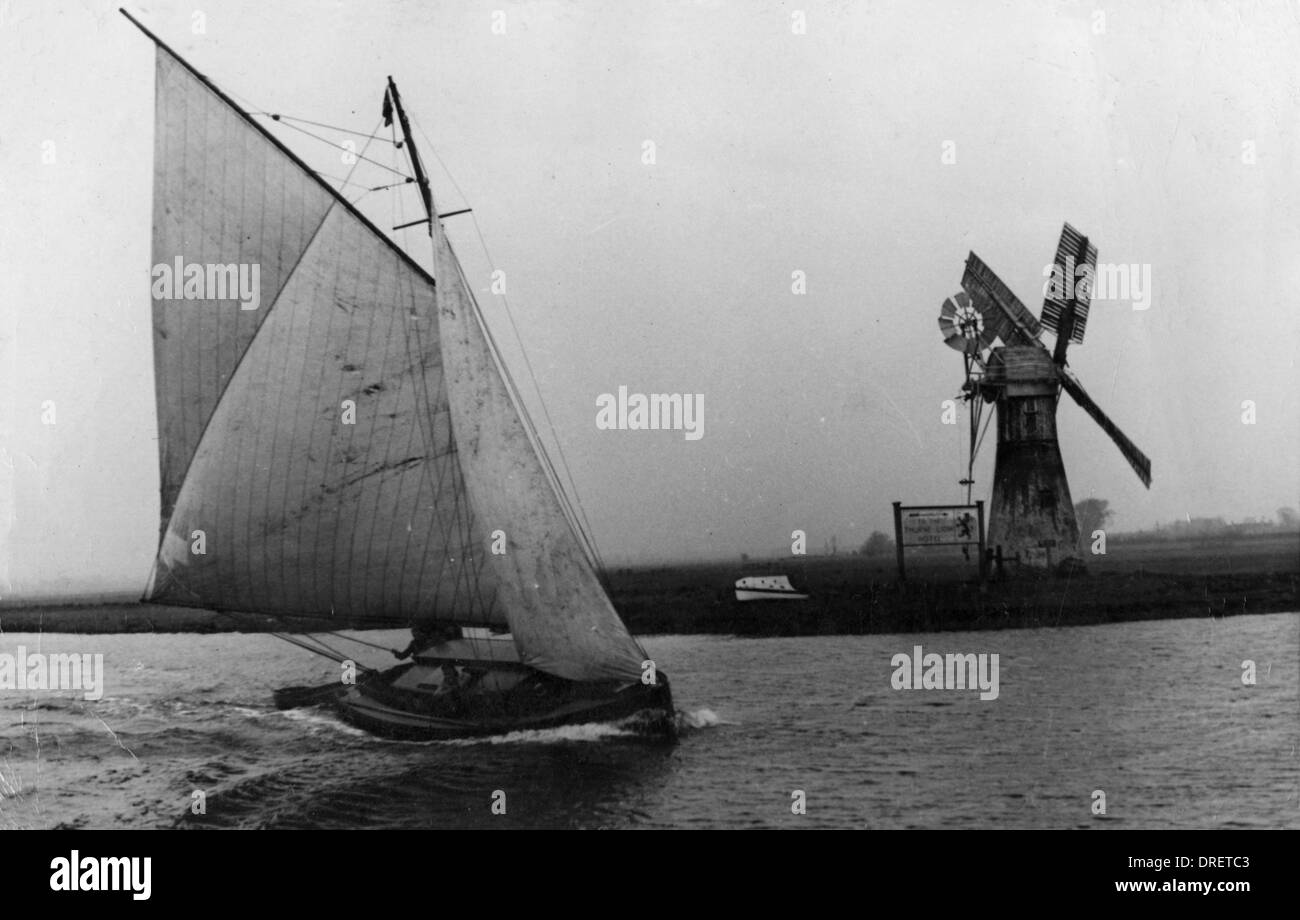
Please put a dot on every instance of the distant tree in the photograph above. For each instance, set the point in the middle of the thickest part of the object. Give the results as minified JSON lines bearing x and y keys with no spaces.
{"x":878,"y":544}
{"x":1288,"y":519}
{"x":1092,"y":514}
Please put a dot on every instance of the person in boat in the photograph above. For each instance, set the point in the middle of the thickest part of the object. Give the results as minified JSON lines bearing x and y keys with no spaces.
{"x":450,"y":678}
{"x":425,"y":635}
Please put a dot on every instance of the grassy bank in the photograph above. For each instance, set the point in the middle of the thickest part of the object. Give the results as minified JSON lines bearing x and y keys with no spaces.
{"x":853,"y":594}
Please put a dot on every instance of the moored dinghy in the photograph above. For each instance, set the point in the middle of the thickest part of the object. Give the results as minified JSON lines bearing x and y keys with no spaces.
{"x":272,"y":504}
{"x":767,"y":588}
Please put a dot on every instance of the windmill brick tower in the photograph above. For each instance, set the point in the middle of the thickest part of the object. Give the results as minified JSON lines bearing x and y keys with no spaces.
{"x":1031,"y":515}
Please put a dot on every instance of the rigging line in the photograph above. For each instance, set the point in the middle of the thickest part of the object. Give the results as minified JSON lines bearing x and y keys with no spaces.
{"x":308,"y":637}
{"x":277,"y":117}
{"x":396,"y":209}
{"x":351,"y":172}
{"x":251,"y":109}
{"x":392,"y":200}
{"x":294,"y":640}
{"x":384,"y":188}
{"x":327,"y":653}
{"x":331,"y":143}
{"x":582,"y":522}
{"x":339,"y":635}
{"x":324,"y":175}
{"x":322,"y":644}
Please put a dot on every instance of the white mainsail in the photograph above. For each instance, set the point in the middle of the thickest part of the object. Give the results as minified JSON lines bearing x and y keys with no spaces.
{"x":295,"y":511}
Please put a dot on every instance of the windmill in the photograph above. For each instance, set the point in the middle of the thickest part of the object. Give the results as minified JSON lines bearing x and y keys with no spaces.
{"x":1031,"y":516}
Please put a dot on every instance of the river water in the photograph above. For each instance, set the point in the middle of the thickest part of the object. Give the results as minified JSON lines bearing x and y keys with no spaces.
{"x":1153,"y":715}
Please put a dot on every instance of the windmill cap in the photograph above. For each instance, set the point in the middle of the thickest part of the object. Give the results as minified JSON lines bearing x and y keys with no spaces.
{"x":1021,"y":363}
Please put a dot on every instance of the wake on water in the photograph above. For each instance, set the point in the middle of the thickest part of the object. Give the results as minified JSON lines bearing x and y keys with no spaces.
{"x":395,"y":782}
{"x":261,"y":777}
{"x":319,"y":720}
{"x":700,"y":718}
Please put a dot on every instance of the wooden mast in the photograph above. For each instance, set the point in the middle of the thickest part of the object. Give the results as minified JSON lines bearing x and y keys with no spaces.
{"x":421,"y":178}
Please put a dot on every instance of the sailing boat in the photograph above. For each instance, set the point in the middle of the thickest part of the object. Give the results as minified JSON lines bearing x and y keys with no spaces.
{"x":339,"y":437}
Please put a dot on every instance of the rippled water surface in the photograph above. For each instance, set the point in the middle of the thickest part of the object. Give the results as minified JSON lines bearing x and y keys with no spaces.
{"x":1153,"y":714}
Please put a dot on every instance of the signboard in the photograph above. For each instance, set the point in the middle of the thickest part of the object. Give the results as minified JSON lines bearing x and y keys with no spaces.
{"x":955,"y":525}
{"x":939,"y":525}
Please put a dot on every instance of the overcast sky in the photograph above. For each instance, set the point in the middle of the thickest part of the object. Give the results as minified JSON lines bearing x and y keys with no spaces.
{"x":871,"y":152}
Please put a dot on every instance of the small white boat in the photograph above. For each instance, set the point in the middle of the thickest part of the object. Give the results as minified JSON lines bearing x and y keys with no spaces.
{"x":767,"y":588}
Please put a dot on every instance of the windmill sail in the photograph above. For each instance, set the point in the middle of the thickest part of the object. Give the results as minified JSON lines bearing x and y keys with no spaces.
{"x":308,"y":465}
{"x":1005,"y":316}
{"x":1071,"y":280}
{"x":1136,"y":459}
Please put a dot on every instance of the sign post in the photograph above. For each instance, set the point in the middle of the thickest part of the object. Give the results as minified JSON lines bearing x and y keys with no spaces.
{"x":898,"y":540}
{"x":939,"y":525}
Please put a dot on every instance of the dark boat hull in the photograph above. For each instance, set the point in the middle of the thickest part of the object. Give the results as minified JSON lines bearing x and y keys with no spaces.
{"x":385,"y":703}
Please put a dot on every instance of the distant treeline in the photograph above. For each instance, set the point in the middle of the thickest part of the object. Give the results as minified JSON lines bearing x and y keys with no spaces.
{"x":1215,"y":528}
{"x":1095,"y":513}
